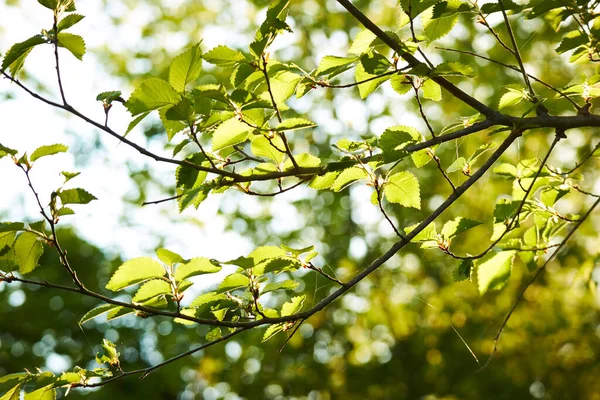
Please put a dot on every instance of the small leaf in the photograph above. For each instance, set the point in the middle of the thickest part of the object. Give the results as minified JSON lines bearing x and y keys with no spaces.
{"x":284,"y":285}
{"x":453,"y":69}
{"x":224,"y":56}
{"x":436,"y":28}
{"x":28,"y":250}
{"x":135,"y":122}
{"x":15,"y":57}
{"x":403,"y":188}
{"x":109,"y":353}
{"x":463,"y":271}
{"x":294,"y":124}
{"x":44,"y":393}
{"x":233,"y":282}
{"x":11,"y":226}
{"x":150,"y":290}
{"x":69,"y":175}
{"x":4,"y":151}
{"x":375,"y":63}
{"x":262,"y":147}
{"x":196,"y":266}
{"x":110,"y":96}
{"x":362,"y":42}
{"x":152,"y":94}
{"x":457,"y":226}
{"x":69,"y":21}
{"x":349,"y":176}
{"x":400,"y":83}
{"x":185,"y":68}
{"x":96,"y":312}
{"x":135,"y":271}
{"x":494,"y":270}
{"x":214,"y":334}
{"x":332,"y":65}
{"x":431,"y":90}
{"x":44,"y":151}
{"x":513,"y":97}
{"x":428,"y":233}
{"x":75,"y":196}
{"x":292,"y":306}
{"x":73,"y":43}
{"x":271,"y":331}
{"x":168,"y":257}
{"x":230,"y":132}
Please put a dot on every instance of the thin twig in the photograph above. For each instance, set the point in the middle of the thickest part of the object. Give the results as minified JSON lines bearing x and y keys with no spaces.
{"x":57,"y":64}
{"x":146,"y":203}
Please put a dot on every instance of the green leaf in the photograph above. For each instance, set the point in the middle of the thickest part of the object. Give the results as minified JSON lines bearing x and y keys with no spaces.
{"x":45,"y":393}
{"x":28,"y":250}
{"x":73,"y":43}
{"x":110,"y":96}
{"x":44,"y":151}
{"x":109,"y":353}
{"x":187,"y":177}
{"x":4,"y":151}
{"x":75,"y":196}
{"x":332,"y":65}
{"x":182,"y":111}
{"x":436,"y":28}
{"x":11,"y":377}
{"x":362,"y":42}
{"x":233,"y":282}
{"x":168,"y":257}
{"x":505,"y":210}
{"x":135,"y":122}
{"x":185,"y":68}
{"x":214,"y":334}
{"x":572,"y":40}
{"x":400,"y":83}
{"x":230,"y":132}
{"x":150,"y":290}
{"x":69,"y":175}
{"x":262,"y":147}
{"x":453,"y":69}
{"x":51,"y":4}
{"x":196,"y":266}
{"x":457,"y":226}
{"x":494,"y":270}
{"x":15,"y":57}
{"x":513,"y":97}
{"x":403,"y":188}
{"x":463,"y":271}
{"x":292,"y":124}
{"x":324,"y":181}
{"x":152,"y":94}
{"x":13,"y":393}
{"x":224,"y":56}
{"x":69,"y":21}
{"x":375,"y":63}
{"x":96,"y":312}
{"x":11,"y":226}
{"x":283,"y":285}
{"x":292,"y":306}
{"x":271,"y":331}
{"x":429,"y":233}
{"x":304,"y":160}
{"x":365,"y":89}
{"x":431,"y":90}
{"x":348,"y":176}
{"x":135,"y":271}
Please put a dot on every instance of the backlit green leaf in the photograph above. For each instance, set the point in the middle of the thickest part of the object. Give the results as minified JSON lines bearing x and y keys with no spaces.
{"x":150,"y":290}
{"x":230,"y":132}
{"x":152,"y":94}
{"x":73,"y":43}
{"x":135,"y":271}
{"x":69,"y":21}
{"x":28,"y":250}
{"x":168,"y":257}
{"x":15,"y":57}
{"x":292,"y":306}
{"x":75,"y":196}
{"x":196,"y":266}
{"x":233,"y":282}
{"x":403,"y":188}
{"x":494,"y":270}
{"x":185,"y":68}
{"x":292,"y":124}
{"x":47,"y":151}
{"x":224,"y":56}
{"x":96,"y":312}
{"x":457,"y":226}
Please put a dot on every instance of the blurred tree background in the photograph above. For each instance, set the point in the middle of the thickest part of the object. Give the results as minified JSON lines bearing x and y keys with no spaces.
{"x":406,"y":331}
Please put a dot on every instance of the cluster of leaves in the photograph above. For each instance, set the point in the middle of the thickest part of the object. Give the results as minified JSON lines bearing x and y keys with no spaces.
{"x":21,"y":244}
{"x":14,"y":59}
